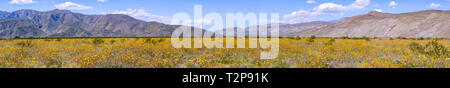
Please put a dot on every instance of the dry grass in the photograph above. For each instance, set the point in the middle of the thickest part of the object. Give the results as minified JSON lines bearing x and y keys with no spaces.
{"x":145,"y":53}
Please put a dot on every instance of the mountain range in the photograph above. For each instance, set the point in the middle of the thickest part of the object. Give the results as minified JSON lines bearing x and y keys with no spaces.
{"x":64,"y":23}
{"x":428,"y":23}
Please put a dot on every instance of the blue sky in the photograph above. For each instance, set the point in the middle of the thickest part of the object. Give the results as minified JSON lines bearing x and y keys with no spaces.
{"x":291,"y":11}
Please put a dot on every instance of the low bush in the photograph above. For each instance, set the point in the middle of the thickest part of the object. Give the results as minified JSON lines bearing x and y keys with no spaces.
{"x":27,"y":43}
{"x":98,"y":41}
{"x":330,"y":42}
{"x":432,"y":49}
{"x":311,"y":39}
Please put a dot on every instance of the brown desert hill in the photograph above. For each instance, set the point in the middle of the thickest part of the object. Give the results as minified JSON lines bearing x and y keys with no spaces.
{"x":428,"y":23}
{"x":302,"y":29}
{"x":285,"y":30}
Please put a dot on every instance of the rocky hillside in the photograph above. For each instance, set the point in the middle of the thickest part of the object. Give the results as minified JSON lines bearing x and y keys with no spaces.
{"x":64,"y":23}
{"x":302,"y":29}
{"x":285,"y":30}
{"x":429,"y":23}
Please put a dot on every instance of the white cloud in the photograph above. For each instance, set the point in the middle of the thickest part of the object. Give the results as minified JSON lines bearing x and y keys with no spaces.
{"x":329,"y":8}
{"x":299,"y":13}
{"x":311,"y":1}
{"x":299,"y":16}
{"x":434,"y":5}
{"x":102,"y":0}
{"x":378,"y":10}
{"x":336,"y":8}
{"x":359,"y":4}
{"x":324,"y":9}
{"x":22,"y":2}
{"x":142,"y":14}
{"x":72,"y":6}
{"x":393,"y":4}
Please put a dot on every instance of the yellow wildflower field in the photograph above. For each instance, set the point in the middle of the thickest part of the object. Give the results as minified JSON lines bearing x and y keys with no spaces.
{"x":159,"y":53}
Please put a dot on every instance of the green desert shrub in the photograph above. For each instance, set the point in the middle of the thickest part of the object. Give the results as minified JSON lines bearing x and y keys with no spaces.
{"x":98,"y":41}
{"x":26,"y":43}
{"x":366,"y":38}
{"x":311,"y":39}
{"x":59,"y":39}
{"x":344,"y":37}
{"x":112,"y":41}
{"x":420,"y":38}
{"x":297,"y":38}
{"x":416,"y":47}
{"x":432,"y":49}
{"x":154,"y":42}
{"x":148,"y":40}
{"x":330,"y":42}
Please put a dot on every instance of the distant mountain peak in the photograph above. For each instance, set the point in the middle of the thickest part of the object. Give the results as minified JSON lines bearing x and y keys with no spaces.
{"x":60,"y":11}
{"x":319,"y":22}
{"x":25,"y":11}
{"x":3,"y":12}
{"x":122,"y":15}
{"x":430,"y":11}
{"x":22,"y":13}
{"x":378,"y":14}
{"x":338,"y":20}
{"x":374,"y":13}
